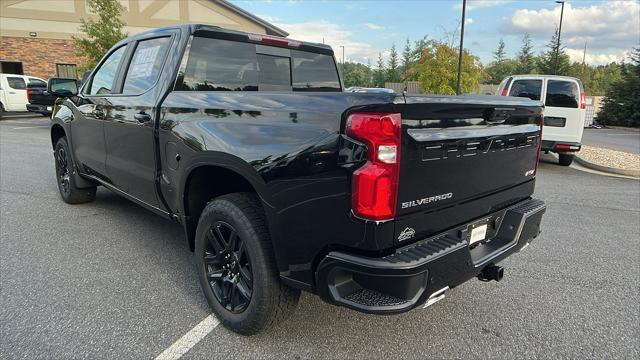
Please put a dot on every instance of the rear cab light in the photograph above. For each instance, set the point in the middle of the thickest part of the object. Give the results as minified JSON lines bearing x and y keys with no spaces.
{"x":273,"y":40}
{"x":374,"y":190}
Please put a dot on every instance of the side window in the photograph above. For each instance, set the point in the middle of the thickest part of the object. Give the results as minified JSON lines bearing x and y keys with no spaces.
{"x":314,"y":72}
{"x":146,"y":65}
{"x":274,"y":73}
{"x":526,"y":88}
{"x":16,"y":83}
{"x":220,"y":65}
{"x":104,"y":78}
{"x":562,"y":93}
{"x":37,"y":82}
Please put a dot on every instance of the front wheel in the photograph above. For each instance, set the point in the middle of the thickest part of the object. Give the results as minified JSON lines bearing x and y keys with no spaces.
{"x":236,"y":265}
{"x":65,"y":175}
{"x":565,"y":159}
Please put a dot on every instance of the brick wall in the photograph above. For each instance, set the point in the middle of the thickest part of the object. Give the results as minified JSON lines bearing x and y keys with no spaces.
{"x":38,"y":56}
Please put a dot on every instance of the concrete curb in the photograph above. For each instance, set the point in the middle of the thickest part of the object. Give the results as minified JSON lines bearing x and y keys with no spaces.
{"x":588,"y":164}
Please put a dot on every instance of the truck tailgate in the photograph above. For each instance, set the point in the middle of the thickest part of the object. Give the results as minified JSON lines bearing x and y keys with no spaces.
{"x":456,"y":150}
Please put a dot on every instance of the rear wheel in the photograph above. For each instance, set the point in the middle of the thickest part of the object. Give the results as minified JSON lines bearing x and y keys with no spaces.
{"x":565,"y":159}
{"x":1,"y":111}
{"x":65,"y":175}
{"x":236,"y":265}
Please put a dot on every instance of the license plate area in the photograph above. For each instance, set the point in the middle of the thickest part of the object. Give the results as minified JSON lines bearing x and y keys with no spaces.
{"x":481,"y":231}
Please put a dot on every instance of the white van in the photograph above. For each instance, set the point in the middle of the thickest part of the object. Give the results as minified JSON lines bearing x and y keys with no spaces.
{"x":13,"y":91}
{"x":564,"y":112}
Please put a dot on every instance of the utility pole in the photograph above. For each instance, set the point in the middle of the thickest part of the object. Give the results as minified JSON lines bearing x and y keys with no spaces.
{"x":342,"y":54}
{"x":464,"y":8}
{"x":555,"y":65}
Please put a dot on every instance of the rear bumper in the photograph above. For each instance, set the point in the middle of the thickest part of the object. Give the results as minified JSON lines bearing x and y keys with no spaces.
{"x":407,"y":278}
{"x":42,"y":109}
{"x":560,"y":146}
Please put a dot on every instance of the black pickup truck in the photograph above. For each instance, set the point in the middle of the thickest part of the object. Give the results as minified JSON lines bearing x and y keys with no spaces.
{"x":379,"y":202}
{"x":40,"y":101}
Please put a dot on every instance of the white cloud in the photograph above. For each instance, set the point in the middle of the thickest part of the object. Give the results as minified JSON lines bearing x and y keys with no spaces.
{"x":334,"y":35}
{"x":468,"y":21}
{"x":610,"y":29}
{"x":372,"y":26}
{"x":476,"y":4}
{"x":597,"y":58}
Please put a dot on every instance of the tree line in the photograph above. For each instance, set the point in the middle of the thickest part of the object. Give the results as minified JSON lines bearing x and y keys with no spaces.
{"x":433,"y":63}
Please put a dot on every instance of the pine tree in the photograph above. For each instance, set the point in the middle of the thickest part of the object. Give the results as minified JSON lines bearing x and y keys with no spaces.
{"x":393,"y":72}
{"x":554,"y":61}
{"x":525,"y":59}
{"x":500,"y":55}
{"x":379,"y":76}
{"x":407,"y":58}
{"x":622,"y":99}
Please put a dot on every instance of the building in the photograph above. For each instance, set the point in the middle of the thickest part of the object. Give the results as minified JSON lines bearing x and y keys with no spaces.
{"x":35,"y":35}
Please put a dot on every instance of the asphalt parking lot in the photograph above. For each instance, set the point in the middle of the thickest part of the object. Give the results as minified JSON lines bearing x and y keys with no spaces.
{"x":614,"y":139}
{"x":111,"y":280}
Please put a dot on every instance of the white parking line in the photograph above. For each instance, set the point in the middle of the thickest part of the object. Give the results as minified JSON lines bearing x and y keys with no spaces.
{"x":29,"y":127}
{"x":190,"y":339}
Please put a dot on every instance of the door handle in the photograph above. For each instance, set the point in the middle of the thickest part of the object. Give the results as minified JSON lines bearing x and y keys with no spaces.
{"x":12,"y":92}
{"x":98,"y":114}
{"x":142,"y":117}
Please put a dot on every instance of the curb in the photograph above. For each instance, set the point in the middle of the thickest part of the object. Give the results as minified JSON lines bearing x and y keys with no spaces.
{"x":588,"y":164}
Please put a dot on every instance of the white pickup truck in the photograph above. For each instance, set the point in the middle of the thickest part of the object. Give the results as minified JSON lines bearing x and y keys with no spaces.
{"x":13,"y":92}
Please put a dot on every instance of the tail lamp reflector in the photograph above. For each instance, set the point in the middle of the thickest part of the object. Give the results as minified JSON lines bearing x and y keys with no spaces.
{"x":375,"y":184}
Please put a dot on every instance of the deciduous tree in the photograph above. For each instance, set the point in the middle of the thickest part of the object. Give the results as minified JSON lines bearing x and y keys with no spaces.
{"x":98,"y":36}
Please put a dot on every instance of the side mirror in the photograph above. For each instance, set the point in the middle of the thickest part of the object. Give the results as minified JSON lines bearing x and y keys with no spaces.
{"x":62,"y":87}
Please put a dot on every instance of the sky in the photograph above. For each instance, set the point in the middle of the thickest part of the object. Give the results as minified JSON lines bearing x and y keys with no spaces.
{"x":366,"y":28}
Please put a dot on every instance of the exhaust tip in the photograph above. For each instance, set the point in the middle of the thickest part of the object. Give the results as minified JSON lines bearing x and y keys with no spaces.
{"x":491,"y":272}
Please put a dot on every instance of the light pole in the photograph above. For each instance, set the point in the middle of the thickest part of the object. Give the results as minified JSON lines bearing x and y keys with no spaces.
{"x":464,"y":7}
{"x":342,"y":46}
{"x":555,"y":65}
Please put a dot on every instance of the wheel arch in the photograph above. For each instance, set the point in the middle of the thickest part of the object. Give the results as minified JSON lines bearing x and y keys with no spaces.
{"x":215,"y":174}
{"x":57,"y":131}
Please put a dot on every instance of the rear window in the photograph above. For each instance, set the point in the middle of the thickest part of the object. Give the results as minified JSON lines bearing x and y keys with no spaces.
{"x":37,"y":82}
{"x":562,"y":93}
{"x":223,"y":65}
{"x":526,"y":88}
{"x":16,"y":83}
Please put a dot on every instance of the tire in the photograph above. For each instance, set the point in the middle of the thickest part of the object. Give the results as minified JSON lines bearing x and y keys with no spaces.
{"x":65,"y":171}
{"x":565,"y":159}
{"x":1,"y":111}
{"x":238,"y":274}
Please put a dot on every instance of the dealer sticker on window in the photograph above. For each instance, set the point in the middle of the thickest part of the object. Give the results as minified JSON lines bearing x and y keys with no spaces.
{"x":478,"y":234}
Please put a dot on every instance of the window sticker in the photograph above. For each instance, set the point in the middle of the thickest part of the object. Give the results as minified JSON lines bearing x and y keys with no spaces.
{"x":143,"y":62}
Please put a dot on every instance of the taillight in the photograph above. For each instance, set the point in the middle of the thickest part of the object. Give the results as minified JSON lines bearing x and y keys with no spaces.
{"x":505,"y":89}
{"x":28,"y":95}
{"x":273,"y":40}
{"x":583,"y":101}
{"x":535,"y":171}
{"x":375,"y":184}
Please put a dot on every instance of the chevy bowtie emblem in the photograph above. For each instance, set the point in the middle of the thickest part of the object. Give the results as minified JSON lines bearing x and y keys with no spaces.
{"x":406,"y":234}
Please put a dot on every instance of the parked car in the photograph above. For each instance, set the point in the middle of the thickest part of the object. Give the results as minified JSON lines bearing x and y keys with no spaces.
{"x":283,"y":182}
{"x":40,"y":101}
{"x":13,"y":92}
{"x":564,"y":114}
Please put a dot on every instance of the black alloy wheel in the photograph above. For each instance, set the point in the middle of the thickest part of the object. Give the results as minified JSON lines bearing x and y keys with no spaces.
{"x":62,"y":170}
{"x":228,"y":267}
